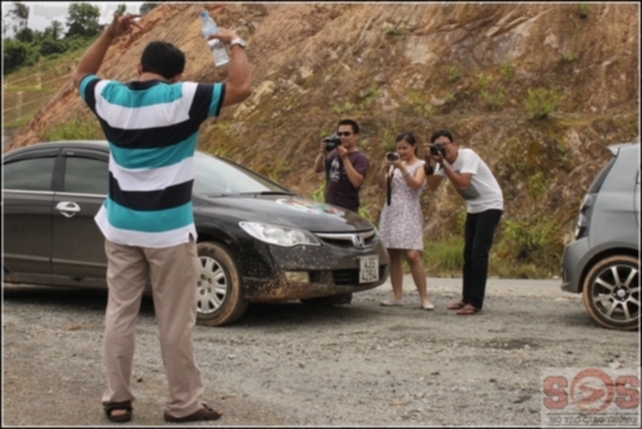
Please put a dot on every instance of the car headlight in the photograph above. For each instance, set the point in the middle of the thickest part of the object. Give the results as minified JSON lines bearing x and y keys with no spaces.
{"x":279,"y":235}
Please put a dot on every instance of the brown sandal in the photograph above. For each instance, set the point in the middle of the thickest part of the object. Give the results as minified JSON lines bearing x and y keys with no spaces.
{"x":456,"y":306}
{"x":202,"y":414}
{"x":469,"y":310}
{"x":123,"y":418}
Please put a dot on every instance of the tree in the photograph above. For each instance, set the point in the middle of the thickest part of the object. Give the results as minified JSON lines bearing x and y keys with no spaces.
{"x":82,"y":20}
{"x":50,"y":46}
{"x":20,"y":14}
{"x":16,"y":54}
{"x":25,"y":35}
{"x":146,"y":7}
{"x":121,"y":9}
{"x":54,"y":30}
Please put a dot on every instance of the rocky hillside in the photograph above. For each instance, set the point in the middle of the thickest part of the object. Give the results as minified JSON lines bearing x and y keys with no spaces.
{"x":476,"y":69}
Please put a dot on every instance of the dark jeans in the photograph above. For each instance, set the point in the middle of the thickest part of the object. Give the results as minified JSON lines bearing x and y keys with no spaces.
{"x":479,"y":231}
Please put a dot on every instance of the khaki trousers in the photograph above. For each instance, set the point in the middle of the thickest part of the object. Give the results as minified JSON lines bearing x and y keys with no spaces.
{"x":172,"y":272}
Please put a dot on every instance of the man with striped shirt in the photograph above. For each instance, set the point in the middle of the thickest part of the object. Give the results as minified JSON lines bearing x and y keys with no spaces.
{"x":152,"y":128}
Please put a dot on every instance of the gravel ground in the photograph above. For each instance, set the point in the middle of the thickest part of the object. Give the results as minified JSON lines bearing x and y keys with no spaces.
{"x":293,"y":365}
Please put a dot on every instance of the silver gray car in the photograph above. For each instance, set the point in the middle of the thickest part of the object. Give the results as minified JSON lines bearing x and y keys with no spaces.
{"x":603,"y":262}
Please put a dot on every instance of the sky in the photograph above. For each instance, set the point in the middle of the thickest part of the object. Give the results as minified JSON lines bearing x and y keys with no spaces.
{"x":41,"y":14}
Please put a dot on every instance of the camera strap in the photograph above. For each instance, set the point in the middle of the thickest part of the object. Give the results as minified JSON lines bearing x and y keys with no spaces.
{"x":388,"y":187}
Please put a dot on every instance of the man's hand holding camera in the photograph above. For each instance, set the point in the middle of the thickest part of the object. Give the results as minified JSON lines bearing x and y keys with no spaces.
{"x":440,"y":153}
{"x":434,"y":152}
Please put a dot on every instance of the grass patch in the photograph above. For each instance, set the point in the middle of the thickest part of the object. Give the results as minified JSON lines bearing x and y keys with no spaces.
{"x":454,"y":74}
{"x":419,"y":105}
{"x":541,"y":102}
{"x":369,"y":96}
{"x":77,"y":129}
{"x":493,"y":100}
{"x":508,"y":70}
{"x":444,"y":257}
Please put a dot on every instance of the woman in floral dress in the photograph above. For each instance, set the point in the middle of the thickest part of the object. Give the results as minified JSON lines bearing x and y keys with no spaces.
{"x":401,"y":221}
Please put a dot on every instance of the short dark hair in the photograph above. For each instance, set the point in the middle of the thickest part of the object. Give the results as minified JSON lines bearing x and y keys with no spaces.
{"x":353,"y":124}
{"x":163,"y":58}
{"x":440,"y":133}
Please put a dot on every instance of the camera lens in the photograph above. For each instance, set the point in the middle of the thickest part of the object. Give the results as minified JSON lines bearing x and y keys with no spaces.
{"x":331,"y":143}
{"x":437,"y":149}
{"x":392,"y":156}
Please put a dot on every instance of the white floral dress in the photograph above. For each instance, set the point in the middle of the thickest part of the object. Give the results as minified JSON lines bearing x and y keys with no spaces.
{"x":401,"y":223}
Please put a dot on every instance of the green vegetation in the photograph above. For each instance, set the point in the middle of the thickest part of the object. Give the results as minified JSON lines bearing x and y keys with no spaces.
{"x":77,"y":129}
{"x":534,"y":239}
{"x":541,"y":102}
{"x":508,"y":70}
{"x":582,"y":10}
{"x":369,"y":96}
{"x":493,"y":100}
{"x":444,"y":257}
{"x":454,"y":74}
{"x":420,"y":106}
{"x":346,"y":107}
{"x":319,"y":193}
{"x":537,"y":187}
{"x":396,"y":33}
{"x":570,"y":57}
{"x":28,"y":46}
{"x":491,"y":93}
{"x":482,"y":81}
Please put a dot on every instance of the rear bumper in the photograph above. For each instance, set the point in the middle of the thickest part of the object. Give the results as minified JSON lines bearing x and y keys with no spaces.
{"x":573,"y":261}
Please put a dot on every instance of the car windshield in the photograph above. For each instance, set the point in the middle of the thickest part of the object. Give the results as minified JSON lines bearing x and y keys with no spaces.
{"x":215,"y":176}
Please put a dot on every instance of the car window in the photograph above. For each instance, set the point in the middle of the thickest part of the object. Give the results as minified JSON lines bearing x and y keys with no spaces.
{"x":29,"y":174}
{"x":86,"y":176}
{"x":217,"y":176}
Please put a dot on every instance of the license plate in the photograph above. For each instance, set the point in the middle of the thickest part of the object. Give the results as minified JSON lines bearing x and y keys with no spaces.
{"x":368,"y":269}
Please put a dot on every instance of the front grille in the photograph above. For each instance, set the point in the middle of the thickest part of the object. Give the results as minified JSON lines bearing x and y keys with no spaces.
{"x":357,"y":239}
{"x":351,"y":276}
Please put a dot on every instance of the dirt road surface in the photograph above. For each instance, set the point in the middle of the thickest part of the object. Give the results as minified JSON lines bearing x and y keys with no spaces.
{"x":291,"y":364}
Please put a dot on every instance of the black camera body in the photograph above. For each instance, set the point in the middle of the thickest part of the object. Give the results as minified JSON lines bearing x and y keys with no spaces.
{"x":331,"y":143}
{"x":392,"y":156}
{"x":437,"y":149}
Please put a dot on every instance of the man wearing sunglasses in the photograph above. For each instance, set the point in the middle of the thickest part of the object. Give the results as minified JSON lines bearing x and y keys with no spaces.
{"x":345,"y":167}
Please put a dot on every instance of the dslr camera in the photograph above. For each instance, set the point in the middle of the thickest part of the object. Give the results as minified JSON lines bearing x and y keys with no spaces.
{"x":392,"y":156}
{"x":437,"y":149}
{"x":331,"y":143}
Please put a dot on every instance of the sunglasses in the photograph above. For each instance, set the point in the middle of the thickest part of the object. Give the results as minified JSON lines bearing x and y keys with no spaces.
{"x":346,"y":134}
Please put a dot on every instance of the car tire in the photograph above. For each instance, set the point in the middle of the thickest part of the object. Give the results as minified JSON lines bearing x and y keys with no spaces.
{"x":345,"y":298}
{"x":611,"y":292}
{"x":219,"y":294}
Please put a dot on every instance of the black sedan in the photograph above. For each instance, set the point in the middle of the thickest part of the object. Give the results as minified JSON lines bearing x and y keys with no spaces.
{"x":257,"y":241}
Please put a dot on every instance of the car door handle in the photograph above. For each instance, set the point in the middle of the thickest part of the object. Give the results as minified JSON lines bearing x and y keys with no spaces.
{"x":68,"y":208}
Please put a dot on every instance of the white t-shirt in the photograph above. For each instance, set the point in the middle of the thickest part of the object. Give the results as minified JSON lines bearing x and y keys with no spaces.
{"x":483,"y":192}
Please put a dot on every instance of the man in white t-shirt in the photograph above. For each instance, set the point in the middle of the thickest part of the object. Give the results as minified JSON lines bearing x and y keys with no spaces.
{"x":476,"y":184}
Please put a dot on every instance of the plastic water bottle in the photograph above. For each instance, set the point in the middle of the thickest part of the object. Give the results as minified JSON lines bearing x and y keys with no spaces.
{"x":208,"y":26}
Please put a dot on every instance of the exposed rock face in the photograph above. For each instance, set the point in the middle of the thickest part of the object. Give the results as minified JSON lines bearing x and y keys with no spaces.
{"x":416,"y":67}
